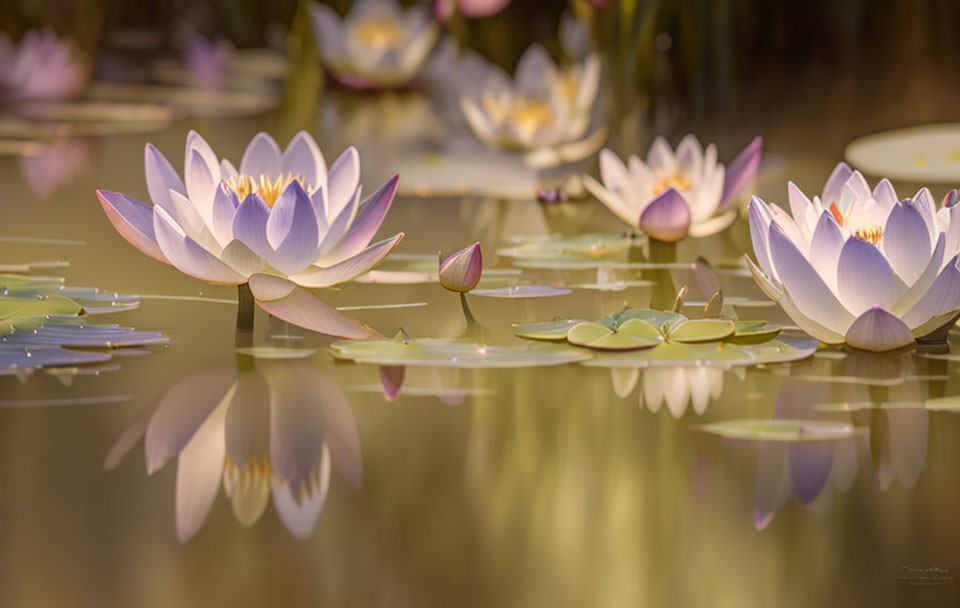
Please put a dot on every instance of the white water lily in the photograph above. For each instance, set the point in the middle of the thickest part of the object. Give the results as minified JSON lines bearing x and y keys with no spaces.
{"x":674,"y":194}
{"x":281,"y":222}
{"x":858,"y":265}
{"x":377,"y":45}
{"x":269,"y":431}
{"x":544,"y":110}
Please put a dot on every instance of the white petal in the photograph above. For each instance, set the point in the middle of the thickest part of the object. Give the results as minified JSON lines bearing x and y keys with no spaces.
{"x":759,"y":230}
{"x":242,"y":259}
{"x":350,"y":268}
{"x":188,"y":256}
{"x":161,"y":179}
{"x":612,"y":201}
{"x":805,"y":287}
{"x":865,"y":278}
{"x":942,"y":297}
{"x":292,"y":231}
{"x":304,"y":158}
{"x":906,"y":241}
{"x":133,"y":220}
{"x":677,"y":393}
{"x":654,"y":386}
{"x":799,"y":203}
{"x":199,"y":469}
{"x":834,"y":186}
{"x":919,"y":289}
{"x":201,"y":186}
{"x":225,"y":205}
{"x":885,"y":195}
{"x":690,"y":157}
{"x":825,"y":247}
{"x":262,"y":157}
{"x":878,"y":330}
{"x":342,"y":182}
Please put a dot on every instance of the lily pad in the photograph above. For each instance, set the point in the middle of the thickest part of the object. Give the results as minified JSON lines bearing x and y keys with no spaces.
{"x":523,"y":291}
{"x":672,"y":354}
{"x":23,"y":314}
{"x":754,"y":332}
{"x":943,"y":404}
{"x":550,"y":330}
{"x":701,"y":330}
{"x":632,"y":334}
{"x":276,"y":352}
{"x":782,"y":430}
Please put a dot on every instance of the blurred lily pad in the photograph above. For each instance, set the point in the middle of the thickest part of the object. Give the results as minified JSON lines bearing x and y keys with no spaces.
{"x":276,"y":352}
{"x":22,"y":314}
{"x":782,"y":430}
{"x":550,"y":330}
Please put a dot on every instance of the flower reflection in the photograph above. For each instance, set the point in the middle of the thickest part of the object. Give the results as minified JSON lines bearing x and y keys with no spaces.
{"x":41,"y":66}
{"x":269,"y":429}
{"x":377,"y":45}
{"x":51,"y":166}
{"x":544,"y":111}
{"x":280,"y":223}
{"x":678,"y":387}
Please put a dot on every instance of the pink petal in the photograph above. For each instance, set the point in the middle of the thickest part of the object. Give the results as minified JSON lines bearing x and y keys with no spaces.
{"x":350,"y":268}
{"x":391,"y":379}
{"x":666,"y":217}
{"x":133,"y":220}
{"x":742,"y":170}
{"x":369,"y":216}
{"x":461,"y":271}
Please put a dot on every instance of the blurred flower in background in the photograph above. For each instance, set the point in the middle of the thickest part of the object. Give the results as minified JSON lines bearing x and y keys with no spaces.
{"x":474,"y":9}
{"x":377,"y":45}
{"x":41,"y":65}
{"x":207,"y":61}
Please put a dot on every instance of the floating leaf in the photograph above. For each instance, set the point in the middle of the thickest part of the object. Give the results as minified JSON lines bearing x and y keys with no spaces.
{"x":550,"y":330}
{"x":943,"y":404}
{"x":754,"y":332}
{"x":632,"y":334}
{"x":276,"y":352}
{"x":782,"y":430}
{"x":523,"y":291}
{"x":438,"y":352}
{"x":657,"y":318}
{"x":701,"y":330}
{"x":674,"y":354}
{"x":22,"y":314}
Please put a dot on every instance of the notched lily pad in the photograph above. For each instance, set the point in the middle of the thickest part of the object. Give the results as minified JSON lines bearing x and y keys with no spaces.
{"x":782,"y":430}
{"x":630,"y":335}
{"x":550,"y":330}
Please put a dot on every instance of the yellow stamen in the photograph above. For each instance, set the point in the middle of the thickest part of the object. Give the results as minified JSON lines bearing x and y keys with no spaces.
{"x":531,"y":112}
{"x":377,"y":32}
{"x":680,"y":182}
{"x":269,"y":190}
{"x":871,"y":234}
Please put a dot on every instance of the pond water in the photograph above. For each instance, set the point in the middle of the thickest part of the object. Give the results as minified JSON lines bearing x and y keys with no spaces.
{"x":562,"y":485}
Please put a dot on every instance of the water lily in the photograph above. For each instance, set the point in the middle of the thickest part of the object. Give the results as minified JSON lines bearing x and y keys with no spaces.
{"x":41,"y":66}
{"x":280,"y":223}
{"x":461,"y":271}
{"x":674,"y":194}
{"x":545,"y":111}
{"x":207,"y":61}
{"x":377,"y":45}
{"x":271,"y":430}
{"x":858,"y":265}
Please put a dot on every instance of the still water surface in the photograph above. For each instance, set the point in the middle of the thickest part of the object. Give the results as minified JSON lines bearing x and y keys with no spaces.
{"x":551,"y":486}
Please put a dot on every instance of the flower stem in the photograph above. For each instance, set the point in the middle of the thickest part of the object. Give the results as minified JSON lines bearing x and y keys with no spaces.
{"x":244,"y":308}
{"x":466,"y":310}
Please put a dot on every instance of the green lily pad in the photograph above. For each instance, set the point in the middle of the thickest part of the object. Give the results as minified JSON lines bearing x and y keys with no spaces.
{"x":754,"y":332}
{"x":701,"y":330}
{"x":943,"y":404}
{"x":657,"y":318}
{"x":24,"y":314}
{"x":550,"y":330}
{"x":782,"y":430}
{"x":441,"y":352}
{"x":632,"y":334}
{"x":672,"y":354}
{"x":276,"y":352}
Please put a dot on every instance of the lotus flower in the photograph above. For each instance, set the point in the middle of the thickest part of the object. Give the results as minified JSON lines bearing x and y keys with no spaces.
{"x":544,"y":111}
{"x":281,"y":222}
{"x":270,"y":430}
{"x":207,"y":61}
{"x":474,"y":9}
{"x":675,"y":194}
{"x":377,"y":45}
{"x":41,"y":66}
{"x":461,"y":271}
{"x":859,"y":266}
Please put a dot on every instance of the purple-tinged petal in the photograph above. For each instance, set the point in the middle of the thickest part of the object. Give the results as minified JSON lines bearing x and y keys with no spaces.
{"x":834,"y":186}
{"x":825,"y":248}
{"x":799,"y":203}
{"x":666,"y":217}
{"x":304,"y":309}
{"x":391,"y":379}
{"x":805,"y":287}
{"x":760,"y":220}
{"x":133,"y":220}
{"x":810,"y":466}
{"x":370,"y":215}
{"x":201,"y":186}
{"x":225,"y":205}
{"x":199,"y":471}
{"x":461,"y":271}
{"x":181,"y":411}
{"x":304,"y":158}
{"x":906,"y":241}
{"x":942,"y":297}
{"x":250,"y":225}
{"x":924,"y":202}
{"x":350,"y":268}
{"x":339,"y":226}
{"x":300,"y":515}
{"x":950,"y":199}
{"x":476,"y":9}
{"x":877,"y":330}
{"x":864,"y":278}
{"x":292,"y":230}
{"x":342,"y":182}
{"x":187,"y":255}
{"x":885,"y":195}
{"x":262,"y":157}
{"x":915,"y":292}
{"x":161,"y":179}
{"x":742,"y":170}
{"x":227,"y":170}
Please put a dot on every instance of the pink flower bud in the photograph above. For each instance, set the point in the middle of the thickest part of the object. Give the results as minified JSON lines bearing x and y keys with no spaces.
{"x":461,"y":271}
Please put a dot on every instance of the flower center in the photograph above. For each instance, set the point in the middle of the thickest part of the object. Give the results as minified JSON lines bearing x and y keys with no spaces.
{"x":269,"y":190}
{"x":531,"y":112}
{"x":377,"y":32}
{"x":675,"y":180}
{"x":872,"y":233}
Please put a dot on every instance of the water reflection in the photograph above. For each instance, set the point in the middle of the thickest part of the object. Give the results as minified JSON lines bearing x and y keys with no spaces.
{"x":270,"y":427}
{"x":50,"y":166}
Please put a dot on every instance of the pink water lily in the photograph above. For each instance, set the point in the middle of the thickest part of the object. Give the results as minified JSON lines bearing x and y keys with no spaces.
{"x":281,"y":223}
{"x":473,"y":9}
{"x":41,"y":66}
{"x":461,"y":271}
{"x":858,"y":265}
{"x":674,"y":194}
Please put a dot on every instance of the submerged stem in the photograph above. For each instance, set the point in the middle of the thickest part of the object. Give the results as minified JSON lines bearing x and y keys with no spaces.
{"x":244,"y":307}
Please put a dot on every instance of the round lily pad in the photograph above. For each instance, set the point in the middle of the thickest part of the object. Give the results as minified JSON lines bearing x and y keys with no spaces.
{"x":701,"y":330}
{"x":782,"y":430}
{"x":631,"y":335}
{"x":438,"y":352}
{"x":673,"y":354}
{"x":550,"y":330}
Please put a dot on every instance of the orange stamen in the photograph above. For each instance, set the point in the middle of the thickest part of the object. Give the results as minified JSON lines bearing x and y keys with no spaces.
{"x":836,"y":213}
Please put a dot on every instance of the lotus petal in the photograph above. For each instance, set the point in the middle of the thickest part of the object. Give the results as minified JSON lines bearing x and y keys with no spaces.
{"x":742,"y":170}
{"x":225,"y":205}
{"x":161,"y":178}
{"x":759,"y":230}
{"x":391,"y":378}
{"x":187,"y":255}
{"x":825,"y":247}
{"x":303,"y":157}
{"x":666,"y":217}
{"x":133,"y":220}
{"x":865,"y":278}
{"x":350,"y":268}
{"x":250,"y":225}
{"x":715,"y":224}
{"x":920,"y":288}
{"x":342,"y":182}
{"x":834,"y":186}
{"x":201,"y":187}
{"x":292,"y":230}
{"x":262,"y":157}
{"x":461,"y":271}
{"x":304,"y":309}
{"x":369,"y":217}
{"x":942,"y":297}
{"x":878,"y":330}
{"x":906,"y":241}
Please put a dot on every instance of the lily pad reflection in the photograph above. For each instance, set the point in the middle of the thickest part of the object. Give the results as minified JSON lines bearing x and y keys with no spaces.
{"x":782,"y":430}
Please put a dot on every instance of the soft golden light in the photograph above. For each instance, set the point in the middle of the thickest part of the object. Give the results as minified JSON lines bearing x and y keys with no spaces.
{"x":377,"y":32}
{"x":675,"y":180}
{"x":269,"y":190}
